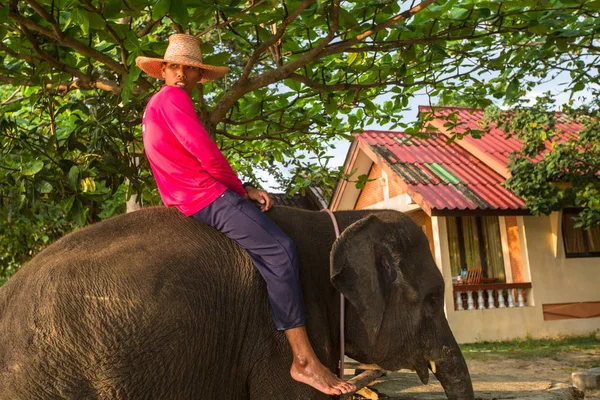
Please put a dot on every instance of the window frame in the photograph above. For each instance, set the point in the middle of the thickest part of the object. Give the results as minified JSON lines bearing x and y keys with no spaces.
{"x":566,"y":213}
{"x":481,"y":240}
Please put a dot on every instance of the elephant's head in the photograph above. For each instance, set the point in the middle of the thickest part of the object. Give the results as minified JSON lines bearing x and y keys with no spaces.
{"x":395,"y":301}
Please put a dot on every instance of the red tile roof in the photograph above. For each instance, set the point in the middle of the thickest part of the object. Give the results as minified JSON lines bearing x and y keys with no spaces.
{"x":464,"y":175}
{"x":495,"y":143}
{"x":446,"y":176}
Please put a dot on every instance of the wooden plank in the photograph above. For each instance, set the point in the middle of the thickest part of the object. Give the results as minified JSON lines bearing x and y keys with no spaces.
{"x":579,"y":310}
{"x":357,"y":365}
{"x":362,"y":380}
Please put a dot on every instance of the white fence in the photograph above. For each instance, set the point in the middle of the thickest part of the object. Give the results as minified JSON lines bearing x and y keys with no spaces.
{"x":489,"y":296}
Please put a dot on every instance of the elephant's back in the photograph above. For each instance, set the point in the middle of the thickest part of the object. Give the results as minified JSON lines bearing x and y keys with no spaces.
{"x":142,"y":243}
{"x":139,"y":257}
{"x":149,"y":281}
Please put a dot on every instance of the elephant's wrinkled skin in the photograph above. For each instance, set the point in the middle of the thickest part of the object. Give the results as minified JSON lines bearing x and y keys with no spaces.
{"x":153,"y":305}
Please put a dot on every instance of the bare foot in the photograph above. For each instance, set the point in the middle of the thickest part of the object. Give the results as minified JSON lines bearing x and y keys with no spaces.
{"x":315,"y":374}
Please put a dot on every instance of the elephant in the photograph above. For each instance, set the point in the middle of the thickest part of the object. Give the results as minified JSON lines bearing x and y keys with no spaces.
{"x":155,"y":305}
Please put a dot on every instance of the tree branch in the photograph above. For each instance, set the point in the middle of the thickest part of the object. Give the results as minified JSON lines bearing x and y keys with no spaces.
{"x":244,"y":86}
{"x":9,"y":80}
{"x":273,"y":135}
{"x":20,"y":56}
{"x":394,"y":44}
{"x":340,"y":46}
{"x":257,"y":52}
{"x":46,"y":16}
{"x":70,"y":42}
{"x":10,"y":100}
{"x":230,"y":20}
{"x":103,"y":84}
{"x":356,"y":86}
{"x":83,"y":80}
{"x":177,"y":25}
{"x":264,"y":116}
{"x":52,"y":61}
{"x":146,"y":30}
{"x":110,"y":30}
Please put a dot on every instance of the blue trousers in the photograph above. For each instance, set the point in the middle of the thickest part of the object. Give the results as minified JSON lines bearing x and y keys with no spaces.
{"x":271,"y":250}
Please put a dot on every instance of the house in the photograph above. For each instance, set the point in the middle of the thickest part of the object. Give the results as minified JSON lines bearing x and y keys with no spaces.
{"x":508,"y":274}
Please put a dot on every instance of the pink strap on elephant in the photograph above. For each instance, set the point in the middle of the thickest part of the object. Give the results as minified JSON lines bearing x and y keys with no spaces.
{"x":342,"y":301}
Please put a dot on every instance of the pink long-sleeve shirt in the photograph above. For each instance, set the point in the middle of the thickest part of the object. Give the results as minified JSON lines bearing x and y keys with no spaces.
{"x":190,"y":170}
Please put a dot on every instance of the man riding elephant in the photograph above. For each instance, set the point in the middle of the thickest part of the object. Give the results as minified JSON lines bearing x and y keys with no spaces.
{"x":193,"y":176}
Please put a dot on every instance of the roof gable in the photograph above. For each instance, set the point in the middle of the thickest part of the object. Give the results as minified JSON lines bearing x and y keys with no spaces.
{"x":465,"y":176}
{"x":442,"y":178}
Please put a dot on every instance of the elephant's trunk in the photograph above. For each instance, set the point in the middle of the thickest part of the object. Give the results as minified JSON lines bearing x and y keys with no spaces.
{"x":452,"y":372}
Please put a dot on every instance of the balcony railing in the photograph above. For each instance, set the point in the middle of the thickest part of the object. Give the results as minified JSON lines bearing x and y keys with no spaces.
{"x":491,"y":295}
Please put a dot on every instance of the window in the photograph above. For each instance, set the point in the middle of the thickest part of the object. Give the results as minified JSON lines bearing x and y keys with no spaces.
{"x":579,"y":242}
{"x":475,"y":242}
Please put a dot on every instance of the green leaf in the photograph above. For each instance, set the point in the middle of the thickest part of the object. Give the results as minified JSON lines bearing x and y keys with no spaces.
{"x":562,"y":44}
{"x":537,"y":27}
{"x":120,"y":29}
{"x":594,"y":5}
{"x":179,"y":12}
{"x":73,"y":177}
{"x":459,"y":13}
{"x":113,"y":8}
{"x":66,"y":204}
{"x":439,"y":50}
{"x":32,"y":168}
{"x":292,"y":84}
{"x":129,"y":83}
{"x":43,"y":187}
{"x":82,"y":18}
{"x":278,"y":156}
{"x":263,"y":34}
{"x":4,"y":13}
{"x":513,"y":89}
{"x":132,"y":42}
{"x":331,"y":108}
{"x":409,"y":53}
{"x":217,"y":59}
{"x":160,"y":9}
{"x":347,"y":20}
{"x":96,"y":21}
{"x":78,"y":212}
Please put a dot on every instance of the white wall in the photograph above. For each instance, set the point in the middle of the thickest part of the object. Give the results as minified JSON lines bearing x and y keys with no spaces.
{"x":555,"y":279}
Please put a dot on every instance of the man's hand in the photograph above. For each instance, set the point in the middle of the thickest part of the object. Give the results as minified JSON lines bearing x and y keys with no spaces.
{"x":259,"y":197}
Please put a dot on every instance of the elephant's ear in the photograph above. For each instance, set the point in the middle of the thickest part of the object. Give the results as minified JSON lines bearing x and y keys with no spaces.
{"x":363,"y":269}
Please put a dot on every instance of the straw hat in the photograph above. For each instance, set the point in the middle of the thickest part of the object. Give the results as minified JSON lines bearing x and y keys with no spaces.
{"x":182,"y":49}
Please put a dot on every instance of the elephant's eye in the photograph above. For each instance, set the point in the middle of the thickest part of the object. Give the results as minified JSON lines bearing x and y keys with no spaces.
{"x":433,"y":301}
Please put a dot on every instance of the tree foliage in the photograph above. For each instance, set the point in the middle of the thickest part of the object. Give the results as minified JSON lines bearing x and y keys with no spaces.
{"x":64,"y":163}
{"x":556,"y":168}
{"x":303,"y":73}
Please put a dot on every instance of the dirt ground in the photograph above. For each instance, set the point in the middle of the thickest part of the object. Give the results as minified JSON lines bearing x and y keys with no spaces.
{"x":500,"y":377}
